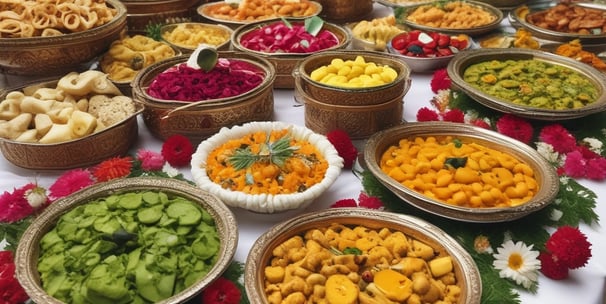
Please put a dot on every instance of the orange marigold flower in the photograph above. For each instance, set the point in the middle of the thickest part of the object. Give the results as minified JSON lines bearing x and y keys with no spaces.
{"x":113,"y":168}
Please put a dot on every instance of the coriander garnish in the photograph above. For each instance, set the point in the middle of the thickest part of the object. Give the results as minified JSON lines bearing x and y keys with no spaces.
{"x":275,"y":152}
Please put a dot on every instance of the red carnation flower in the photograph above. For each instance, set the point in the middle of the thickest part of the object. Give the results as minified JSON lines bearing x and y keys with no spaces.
{"x":113,"y":168}
{"x":558,"y":137}
{"x":177,"y":150}
{"x":440,"y":81}
{"x":11,"y":292}
{"x":480,"y":123}
{"x":427,"y":114}
{"x":344,"y":146}
{"x":370,"y":202}
{"x":598,"y":169}
{"x":221,"y":291}
{"x":575,"y":165}
{"x":14,"y":206}
{"x":551,"y":267}
{"x":515,"y":127}
{"x":569,"y":246}
{"x":70,"y":182}
{"x":344,"y":203}
{"x":454,"y":115}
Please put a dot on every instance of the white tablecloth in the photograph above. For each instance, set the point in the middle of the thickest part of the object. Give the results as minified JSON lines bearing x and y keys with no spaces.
{"x":584,"y":286}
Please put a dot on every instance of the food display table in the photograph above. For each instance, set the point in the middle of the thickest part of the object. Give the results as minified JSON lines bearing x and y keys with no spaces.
{"x":585,"y":285}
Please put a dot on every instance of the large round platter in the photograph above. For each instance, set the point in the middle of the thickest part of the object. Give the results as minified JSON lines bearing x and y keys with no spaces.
{"x":544,"y":173}
{"x":464,"y":267}
{"x":233,"y":23}
{"x":517,"y":20}
{"x":28,"y":250}
{"x":457,"y":66}
{"x":402,"y":17}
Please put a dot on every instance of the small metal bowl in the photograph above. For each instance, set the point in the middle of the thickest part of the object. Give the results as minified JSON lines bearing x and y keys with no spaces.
{"x":402,"y":16}
{"x":204,"y":9}
{"x":517,"y":19}
{"x":544,"y":172}
{"x":461,"y":61}
{"x":28,"y":250}
{"x":196,"y":27}
{"x":465,"y":269}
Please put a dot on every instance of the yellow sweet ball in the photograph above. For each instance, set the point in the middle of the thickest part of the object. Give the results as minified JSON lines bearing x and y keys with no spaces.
{"x":357,"y":73}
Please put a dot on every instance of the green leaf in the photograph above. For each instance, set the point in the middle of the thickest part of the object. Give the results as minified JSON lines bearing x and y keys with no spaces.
{"x":207,"y":59}
{"x":352,"y":250}
{"x":313,"y":25}
{"x":455,"y":162}
{"x":288,"y":24}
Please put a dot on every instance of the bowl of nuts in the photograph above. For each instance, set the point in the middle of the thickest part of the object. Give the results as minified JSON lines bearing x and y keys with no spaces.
{"x":461,"y":172}
{"x":75,"y":121}
{"x":44,"y":44}
{"x":357,"y":255}
{"x":427,"y":51}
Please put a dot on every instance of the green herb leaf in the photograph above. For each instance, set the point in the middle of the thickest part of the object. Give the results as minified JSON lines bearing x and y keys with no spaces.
{"x":207,"y":59}
{"x":352,"y":250}
{"x":457,"y":143}
{"x":313,"y":25}
{"x":288,"y":24}
{"x":153,"y":31}
{"x":276,"y":153}
{"x":455,"y":162}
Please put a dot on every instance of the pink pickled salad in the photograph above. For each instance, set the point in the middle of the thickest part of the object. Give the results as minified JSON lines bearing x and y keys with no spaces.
{"x":228,"y":78}
{"x":279,"y":38}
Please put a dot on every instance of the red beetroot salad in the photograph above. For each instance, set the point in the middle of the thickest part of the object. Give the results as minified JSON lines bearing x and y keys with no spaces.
{"x":230,"y":77}
{"x":278,"y":37}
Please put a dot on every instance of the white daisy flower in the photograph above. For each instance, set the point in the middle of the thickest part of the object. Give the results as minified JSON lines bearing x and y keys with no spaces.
{"x":547,"y":151}
{"x":518,"y":262}
{"x":594,"y":145}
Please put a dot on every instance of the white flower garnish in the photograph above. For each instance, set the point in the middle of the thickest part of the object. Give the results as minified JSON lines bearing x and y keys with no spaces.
{"x":594,"y":144}
{"x":518,"y":262}
{"x":547,"y":151}
{"x":36,"y":197}
{"x":170,"y":170}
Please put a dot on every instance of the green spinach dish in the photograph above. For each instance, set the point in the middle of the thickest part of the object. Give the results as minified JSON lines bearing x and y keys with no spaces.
{"x":532,"y":83}
{"x":133,"y":247}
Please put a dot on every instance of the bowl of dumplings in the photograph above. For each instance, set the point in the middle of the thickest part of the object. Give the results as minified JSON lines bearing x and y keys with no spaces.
{"x":77,"y":120}
{"x":57,"y":37}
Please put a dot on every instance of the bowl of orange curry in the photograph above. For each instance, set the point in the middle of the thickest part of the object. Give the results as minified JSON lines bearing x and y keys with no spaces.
{"x":266,"y":167}
{"x":461,"y":172}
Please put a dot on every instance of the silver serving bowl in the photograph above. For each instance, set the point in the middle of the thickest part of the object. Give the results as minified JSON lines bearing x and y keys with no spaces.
{"x":544,"y":173}
{"x":402,"y":17}
{"x":517,"y":18}
{"x":461,"y":61}
{"x":28,"y":250}
{"x":465,"y":269}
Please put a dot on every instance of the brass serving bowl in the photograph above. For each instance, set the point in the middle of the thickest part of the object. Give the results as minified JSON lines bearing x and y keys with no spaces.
{"x":457,"y":66}
{"x":197,"y":27}
{"x":92,"y":149}
{"x":142,"y":13}
{"x":285,"y":63}
{"x":28,"y":250}
{"x":402,"y":16}
{"x":263,"y":203}
{"x":56,"y":55}
{"x":517,"y":19}
{"x":199,"y":121}
{"x":203,"y":10}
{"x":544,"y":172}
{"x":465,"y":269}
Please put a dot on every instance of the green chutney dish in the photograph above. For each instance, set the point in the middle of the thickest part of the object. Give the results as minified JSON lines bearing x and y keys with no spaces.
{"x":139,"y":240}
{"x":529,"y":83}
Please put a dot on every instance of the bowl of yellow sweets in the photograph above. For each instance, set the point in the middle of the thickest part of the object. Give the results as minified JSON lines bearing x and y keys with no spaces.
{"x":357,"y":255}
{"x":461,"y":172}
{"x":187,"y":36}
{"x":360,"y":92}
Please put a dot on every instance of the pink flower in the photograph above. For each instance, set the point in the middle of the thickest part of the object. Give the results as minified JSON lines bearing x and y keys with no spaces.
{"x":569,"y":246}
{"x":370,"y":202}
{"x":575,"y":164}
{"x":440,"y":81}
{"x":150,"y":160}
{"x":454,"y":115}
{"x":427,"y":114}
{"x":515,"y":127}
{"x":558,"y":137}
{"x":70,"y":182}
{"x":14,"y":206}
{"x":348,"y":202}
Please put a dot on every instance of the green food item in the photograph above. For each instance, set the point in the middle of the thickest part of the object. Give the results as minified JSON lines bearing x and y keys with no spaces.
{"x":134,"y":247}
{"x":532,"y":83}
